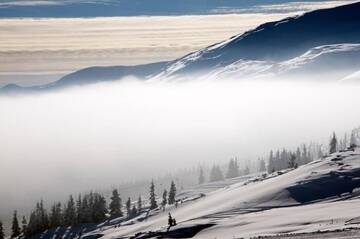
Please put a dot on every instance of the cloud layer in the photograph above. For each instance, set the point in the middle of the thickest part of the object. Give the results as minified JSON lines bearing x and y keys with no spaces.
{"x":58,"y":46}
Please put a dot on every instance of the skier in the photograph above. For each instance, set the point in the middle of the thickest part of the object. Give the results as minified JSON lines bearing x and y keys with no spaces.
{"x":170,"y":221}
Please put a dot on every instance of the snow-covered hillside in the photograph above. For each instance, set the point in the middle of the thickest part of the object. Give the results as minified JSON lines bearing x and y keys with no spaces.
{"x":321,"y":195}
{"x":312,"y":44}
{"x":330,"y":62}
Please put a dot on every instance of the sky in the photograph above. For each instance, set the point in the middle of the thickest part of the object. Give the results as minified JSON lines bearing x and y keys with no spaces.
{"x":40,"y":50}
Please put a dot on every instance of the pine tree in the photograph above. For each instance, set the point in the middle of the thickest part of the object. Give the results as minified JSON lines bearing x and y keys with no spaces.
{"x":271,"y":165}
{"x":153,"y":203}
{"x":115,"y":205}
{"x":99,"y":208}
{"x":43,"y":216}
{"x":134,"y":211}
{"x":56,"y":215}
{"x":70,"y":212}
{"x":247,"y":170}
{"x":172,"y":193}
{"x":262,"y":165}
{"x":292,"y":161}
{"x":233,"y":169}
{"x":2,"y":234}
{"x":128,"y":207}
{"x":34,"y":225}
{"x":216,"y":174}
{"x":333,"y":144}
{"x":79,"y":213}
{"x":24,"y":225}
{"x":201,"y":176}
{"x":164,"y":199}
{"x":139,"y":202}
{"x":15,"y":226}
{"x":86,"y":214}
{"x":353,"y":140}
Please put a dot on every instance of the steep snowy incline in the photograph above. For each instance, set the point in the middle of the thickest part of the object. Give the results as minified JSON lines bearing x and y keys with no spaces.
{"x":274,"y":41}
{"x":322,"y":181}
{"x":331,"y":62}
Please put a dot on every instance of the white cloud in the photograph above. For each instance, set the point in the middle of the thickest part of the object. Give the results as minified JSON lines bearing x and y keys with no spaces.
{"x":29,"y":3}
{"x":52,"y":46}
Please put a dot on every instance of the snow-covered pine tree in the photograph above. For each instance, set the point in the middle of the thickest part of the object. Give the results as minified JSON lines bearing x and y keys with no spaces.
{"x":292,"y":161}
{"x":333,"y":144}
{"x":70,"y":212}
{"x":172,"y":193}
{"x":201,"y":179}
{"x":128,"y":207}
{"x":115,"y":204}
{"x":79,"y":215}
{"x":247,"y":170}
{"x":134,"y":211}
{"x":99,"y":208}
{"x":24,"y":225}
{"x":152,"y":198}
{"x":271,"y":165}
{"x":164,"y":199}
{"x":233,"y":169}
{"x":353,"y":140}
{"x":262,"y":165}
{"x":85,"y":210}
{"x":216,"y":174}
{"x":55,"y":215}
{"x":15,"y":229}
{"x":139,"y":202}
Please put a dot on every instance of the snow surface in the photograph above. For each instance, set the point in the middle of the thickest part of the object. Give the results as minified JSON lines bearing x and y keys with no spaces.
{"x":265,"y":205}
{"x":254,"y":69}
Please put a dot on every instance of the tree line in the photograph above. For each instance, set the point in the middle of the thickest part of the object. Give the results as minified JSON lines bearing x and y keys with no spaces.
{"x":88,"y":208}
{"x":281,"y":159}
{"x":232,"y":171}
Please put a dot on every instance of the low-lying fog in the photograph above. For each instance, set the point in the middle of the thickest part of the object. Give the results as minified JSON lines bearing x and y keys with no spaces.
{"x":58,"y":143}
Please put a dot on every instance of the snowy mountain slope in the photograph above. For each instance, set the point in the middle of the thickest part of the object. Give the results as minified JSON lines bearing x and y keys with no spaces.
{"x":332,"y":62}
{"x":317,"y":194}
{"x":274,"y":41}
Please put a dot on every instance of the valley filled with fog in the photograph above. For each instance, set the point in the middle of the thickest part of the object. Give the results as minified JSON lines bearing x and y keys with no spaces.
{"x":101,"y":135}
{"x":249,"y":109}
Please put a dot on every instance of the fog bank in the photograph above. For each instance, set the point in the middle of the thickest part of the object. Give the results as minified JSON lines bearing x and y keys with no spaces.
{"x":89,"y":137}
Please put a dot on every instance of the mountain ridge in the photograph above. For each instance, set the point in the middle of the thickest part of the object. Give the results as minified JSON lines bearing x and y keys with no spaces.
{"x":268,"y":45}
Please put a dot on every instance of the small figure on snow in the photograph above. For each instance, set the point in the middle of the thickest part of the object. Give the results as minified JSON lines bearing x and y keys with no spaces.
{"x":171,"y":222}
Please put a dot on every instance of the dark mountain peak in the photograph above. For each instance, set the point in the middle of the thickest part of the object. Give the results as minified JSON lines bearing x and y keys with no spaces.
{"x":277,"y":41}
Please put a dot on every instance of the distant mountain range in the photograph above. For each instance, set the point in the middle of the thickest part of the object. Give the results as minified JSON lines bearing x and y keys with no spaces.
{"x":323,"y":43}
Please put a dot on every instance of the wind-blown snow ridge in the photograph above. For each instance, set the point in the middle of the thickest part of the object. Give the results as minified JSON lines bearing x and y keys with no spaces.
{"x":312,"y":54}
{"x":256,"y":69}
